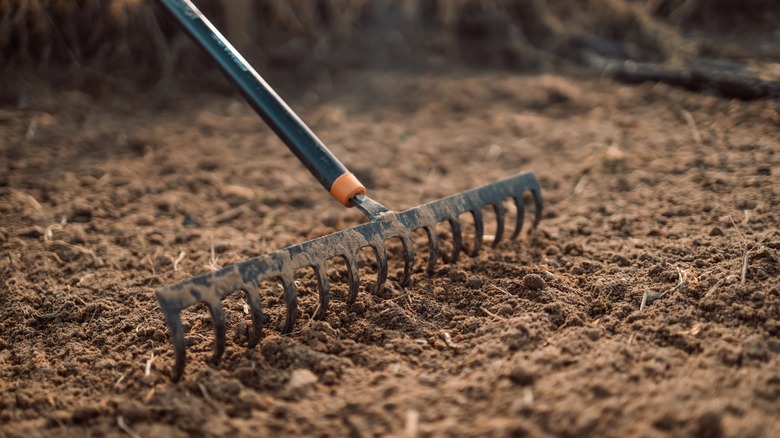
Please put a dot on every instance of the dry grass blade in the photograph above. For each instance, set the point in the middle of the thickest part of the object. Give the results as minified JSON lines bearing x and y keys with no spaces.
{"x":747,"y":249}
{"x":685,"y":277}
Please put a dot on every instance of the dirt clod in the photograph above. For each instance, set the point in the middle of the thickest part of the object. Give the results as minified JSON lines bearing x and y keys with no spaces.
{"x":521,"y":375}
{"x":534,"y":282}
{"x":301,"y":382}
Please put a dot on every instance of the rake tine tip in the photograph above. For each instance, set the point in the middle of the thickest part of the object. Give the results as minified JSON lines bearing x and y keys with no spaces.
{"x":291,"y":299}
{"x":259,"y":319}
{"x":381,"y":260}
{"x":220,"y":331}
{"x":408,"y":248}
{"x":354,"y":280}
{"x":433,"y":248}
{"x":457,"y":240}
{"x":322,"y":280}
{"x":479,"y":231}
{"x":173,"y":320}
{"x":498,"y":207}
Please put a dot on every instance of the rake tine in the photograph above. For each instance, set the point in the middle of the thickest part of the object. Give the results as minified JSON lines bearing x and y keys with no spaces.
{"x":520,"y":215}
{"x":381,"y":260}
{"x":537,"y":205}
{"x":457,"y":240}
{"x":408,"y":260}
{"x":354,"y":279}
{"x":433,"y":248}
{"x":291,"y":299}
{"x":258,"y":318}
{"x":479,"y":231}
{"x":173,"y":319}
{"x":498,"y":207}
{"x":322,"y":278}
{"x":220,"y":331}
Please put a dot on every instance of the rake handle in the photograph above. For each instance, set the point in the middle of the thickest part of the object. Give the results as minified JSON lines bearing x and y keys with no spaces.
{"x":309,"y":149}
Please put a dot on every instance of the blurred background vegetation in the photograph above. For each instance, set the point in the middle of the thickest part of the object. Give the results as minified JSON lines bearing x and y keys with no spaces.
{"x":133,"y":43}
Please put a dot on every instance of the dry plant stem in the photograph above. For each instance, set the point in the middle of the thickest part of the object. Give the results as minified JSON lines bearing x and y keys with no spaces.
{"x":493,"y":315}
{"x":648,"y":298}
{"x":148,"y":368}
{"x":213,"y":259}
{"x":746,"y":250}
{"x":692,"y":124}
{"x":178,"y":260}
{"x":120,"y":421}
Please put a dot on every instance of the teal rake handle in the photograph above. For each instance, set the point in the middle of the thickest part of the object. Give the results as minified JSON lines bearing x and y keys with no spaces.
{"x":309,"y":149}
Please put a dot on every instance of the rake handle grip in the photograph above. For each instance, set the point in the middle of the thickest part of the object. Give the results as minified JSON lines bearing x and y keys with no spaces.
{"x":309,"y":149}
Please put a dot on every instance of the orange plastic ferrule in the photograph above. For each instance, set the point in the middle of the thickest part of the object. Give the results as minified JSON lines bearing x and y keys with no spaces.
{"x":345,"y":188}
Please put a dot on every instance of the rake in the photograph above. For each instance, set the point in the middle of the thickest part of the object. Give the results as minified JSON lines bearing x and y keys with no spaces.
{"x":210,"y":288}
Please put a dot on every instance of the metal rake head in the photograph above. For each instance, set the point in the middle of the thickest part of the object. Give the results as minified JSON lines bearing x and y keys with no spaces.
{"x":210,"y":288}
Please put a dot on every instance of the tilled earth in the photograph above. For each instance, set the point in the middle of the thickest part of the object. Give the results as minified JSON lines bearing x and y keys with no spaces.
{"x":649,"y":191}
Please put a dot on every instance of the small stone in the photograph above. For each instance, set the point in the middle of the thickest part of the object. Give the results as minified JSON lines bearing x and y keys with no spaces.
{"x":458,"y":276}
{"x":134,"y":412}
{"x":358,"y":307}
{"x":189,"y":221}
{"x":521,"y":375}
{"x":84,"y":413}
{"x":592,"y":334}
{"x":614,"y":158}
{"x":78,"y":235}
{"x":244,"y":193}
{"x":144,"y":220}
{"x":505,"y":310}
{"x":80,"y":212}
{"x":246,"y":375}
{"x":755,"y":347}
{"x":301,"y":383}
{"x":105,"y":364}
{"x":474,"y":282}
{"x":709,"y":425}
{"x":716,"y":231}
{"x":534,"y":282}
{"x":514,"y":339}
{"x":428,"y":380}
{"x":317,"y":345}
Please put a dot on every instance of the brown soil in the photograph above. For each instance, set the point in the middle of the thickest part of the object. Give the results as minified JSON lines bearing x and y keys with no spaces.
{"x":103,"y":200}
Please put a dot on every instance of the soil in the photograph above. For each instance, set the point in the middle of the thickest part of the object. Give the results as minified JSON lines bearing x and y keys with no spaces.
{"x":647,"y":189}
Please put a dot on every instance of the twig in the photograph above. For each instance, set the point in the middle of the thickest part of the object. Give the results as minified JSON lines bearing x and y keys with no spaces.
{"x":489,"y":313}
{"x":746,"y":250}
{"x":178,"y":260}
{"x":648,"y":298}
{"x":120,"y":421}
{"x":151,"y":263}
{"x":692,"y":124}
{"x":119,"y":381}
{"x":148,"y":369}
{"x":579,"y":187}
{"x":213,"y":260}
{"x":499,"y":289}
{"x":745,"y":261}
